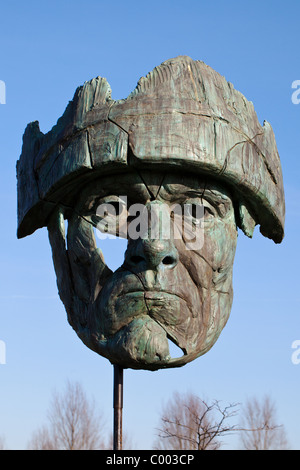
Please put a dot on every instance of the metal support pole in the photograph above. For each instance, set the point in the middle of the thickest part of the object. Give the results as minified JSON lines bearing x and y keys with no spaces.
{"x":118,"y":407}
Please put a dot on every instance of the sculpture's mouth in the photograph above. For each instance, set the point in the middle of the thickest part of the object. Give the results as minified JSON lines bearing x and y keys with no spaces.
{"x":162,"y":307}
{"x":153,"y":294}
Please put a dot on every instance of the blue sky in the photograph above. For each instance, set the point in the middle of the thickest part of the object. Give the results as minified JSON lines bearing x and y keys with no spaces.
{"x":47,"y":50}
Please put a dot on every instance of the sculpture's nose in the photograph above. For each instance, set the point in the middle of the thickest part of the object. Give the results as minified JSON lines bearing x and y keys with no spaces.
{"x":155,"y":249}
{"x":152,"y":254}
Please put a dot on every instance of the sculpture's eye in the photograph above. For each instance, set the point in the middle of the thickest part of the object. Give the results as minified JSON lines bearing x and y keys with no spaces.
{"x":111,"y":207}
{"x":195,"y":211}
{"x":208,"y":212}
{"x":111,"y":214}
{"x":198,"y":210}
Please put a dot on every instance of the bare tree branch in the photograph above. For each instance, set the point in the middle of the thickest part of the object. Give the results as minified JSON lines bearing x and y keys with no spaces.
{"x":73,"y":423}
{"x":189,"y":423}
{"x":260,"y":419}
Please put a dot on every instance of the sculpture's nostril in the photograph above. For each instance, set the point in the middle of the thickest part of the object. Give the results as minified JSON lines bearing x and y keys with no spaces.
{"x":136,"y":259}
{"x":169,"y":260}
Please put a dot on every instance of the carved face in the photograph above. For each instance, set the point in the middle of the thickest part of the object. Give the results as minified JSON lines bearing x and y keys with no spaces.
{"x":170,"y":287}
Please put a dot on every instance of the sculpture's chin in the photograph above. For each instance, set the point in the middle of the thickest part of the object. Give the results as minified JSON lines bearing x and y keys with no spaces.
{"x":142,"y":344}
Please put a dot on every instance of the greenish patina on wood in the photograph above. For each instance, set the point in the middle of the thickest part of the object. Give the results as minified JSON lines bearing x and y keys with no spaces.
{"x":183,"y":136}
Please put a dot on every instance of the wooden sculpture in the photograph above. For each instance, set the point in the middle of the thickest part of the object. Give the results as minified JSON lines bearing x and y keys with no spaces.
{"x":183,"y":138}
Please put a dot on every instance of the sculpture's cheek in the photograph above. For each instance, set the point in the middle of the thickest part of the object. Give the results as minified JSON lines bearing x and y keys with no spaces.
{"x":220,"y":239}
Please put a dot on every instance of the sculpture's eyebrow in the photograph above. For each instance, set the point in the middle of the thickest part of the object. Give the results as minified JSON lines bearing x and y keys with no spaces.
{"x":221,"y":201}
{"x":218,"y":198}
{"x":205,"y":190}
{"x":215,"y":196}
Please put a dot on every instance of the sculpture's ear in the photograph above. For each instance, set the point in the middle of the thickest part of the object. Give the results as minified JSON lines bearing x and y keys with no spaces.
{"x":246,"y":220}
